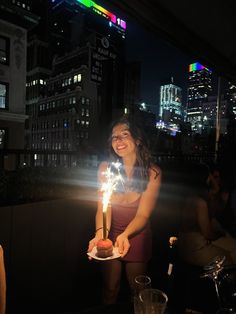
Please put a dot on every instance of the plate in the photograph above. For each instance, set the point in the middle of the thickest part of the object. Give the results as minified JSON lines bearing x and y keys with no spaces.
{"x":115,"y":254}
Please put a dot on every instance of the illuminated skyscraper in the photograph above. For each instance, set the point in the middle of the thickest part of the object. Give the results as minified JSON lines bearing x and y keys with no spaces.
{"x":199,"y":88}
{"x":170,"y":103}
{"x":231,"y":97}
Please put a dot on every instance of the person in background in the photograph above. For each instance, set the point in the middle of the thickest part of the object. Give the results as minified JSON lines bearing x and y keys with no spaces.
{"x":200,"y":238}
{"x":220,"y":201}
{"x":132,"y":204}
{"x":2,"y":283}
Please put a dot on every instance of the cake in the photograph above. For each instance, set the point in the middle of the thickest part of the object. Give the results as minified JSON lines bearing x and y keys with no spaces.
{"x":104,"y":248}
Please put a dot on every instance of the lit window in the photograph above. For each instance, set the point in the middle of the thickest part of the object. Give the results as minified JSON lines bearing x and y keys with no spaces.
{"x":3,"y":95}
{"x":77,"y":78}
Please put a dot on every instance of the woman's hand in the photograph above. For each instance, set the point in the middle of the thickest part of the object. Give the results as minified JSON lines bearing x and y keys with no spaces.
{"x":92,"y":244}
{"x":122,"y":242}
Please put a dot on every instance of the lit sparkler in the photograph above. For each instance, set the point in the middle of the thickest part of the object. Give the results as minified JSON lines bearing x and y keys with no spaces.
{"x":107,"y":188}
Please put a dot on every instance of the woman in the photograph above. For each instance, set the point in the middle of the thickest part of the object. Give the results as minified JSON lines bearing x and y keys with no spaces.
{"x":201,"y":238}
{"x":131,"y":206}
{"x":220,"y":201}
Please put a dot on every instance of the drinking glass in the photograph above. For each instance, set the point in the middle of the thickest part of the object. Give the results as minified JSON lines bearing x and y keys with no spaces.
{"x":141,"y":282}
{"x":154,"y":301}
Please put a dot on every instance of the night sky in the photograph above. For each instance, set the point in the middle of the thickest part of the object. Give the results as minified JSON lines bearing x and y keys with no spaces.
{"x":160,"y":60}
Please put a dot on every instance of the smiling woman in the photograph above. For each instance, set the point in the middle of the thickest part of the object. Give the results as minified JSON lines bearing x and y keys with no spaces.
{"x":130,"y":208}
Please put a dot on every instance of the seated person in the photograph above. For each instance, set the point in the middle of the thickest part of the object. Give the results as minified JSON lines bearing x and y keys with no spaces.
{"x":200,"y":238}
{"x":220,"y":201}
{"x":2,"y":283}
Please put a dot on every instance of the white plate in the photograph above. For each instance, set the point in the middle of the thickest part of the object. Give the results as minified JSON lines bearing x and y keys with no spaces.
{"x":93,"y":253}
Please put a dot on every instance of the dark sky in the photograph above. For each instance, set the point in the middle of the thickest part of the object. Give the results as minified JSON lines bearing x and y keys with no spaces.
{"x":160,"y":60}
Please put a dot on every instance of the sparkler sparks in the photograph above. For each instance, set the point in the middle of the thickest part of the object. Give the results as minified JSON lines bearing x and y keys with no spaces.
{"x":107,"y":188}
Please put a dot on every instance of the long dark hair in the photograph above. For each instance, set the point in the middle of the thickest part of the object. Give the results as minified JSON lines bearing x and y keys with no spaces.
{"x":144,"y":159}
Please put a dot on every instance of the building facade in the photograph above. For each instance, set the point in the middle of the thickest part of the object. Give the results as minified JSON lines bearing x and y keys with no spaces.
{"x":171,"y":111}
{"x":199,"y":88}
{"x":210,"y":113}
{"x":75,"y":79}
{"x":14,"y":22}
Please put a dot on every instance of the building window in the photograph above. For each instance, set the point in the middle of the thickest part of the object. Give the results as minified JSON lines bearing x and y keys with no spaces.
{"x":3,"y":95}
{"x":4,"y":50}
{"x":77,"y":78}
{"x":2,"y":138}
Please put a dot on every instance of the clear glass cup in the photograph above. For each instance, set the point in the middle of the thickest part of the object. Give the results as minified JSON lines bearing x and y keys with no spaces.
{"x":141,"y":282}
{"x":154,"y":301}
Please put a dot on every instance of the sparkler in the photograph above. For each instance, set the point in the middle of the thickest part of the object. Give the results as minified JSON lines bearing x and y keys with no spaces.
{"x":107,"y":188}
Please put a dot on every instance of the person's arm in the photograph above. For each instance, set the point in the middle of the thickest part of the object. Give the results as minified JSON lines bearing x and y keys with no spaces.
{"x":204,"y":221}
{"x":146,"y":206}
{"x":99,"y":214}
{"x":2,"y":283}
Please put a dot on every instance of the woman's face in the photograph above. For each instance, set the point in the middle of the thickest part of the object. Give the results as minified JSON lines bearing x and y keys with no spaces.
{"x":122,"y":141}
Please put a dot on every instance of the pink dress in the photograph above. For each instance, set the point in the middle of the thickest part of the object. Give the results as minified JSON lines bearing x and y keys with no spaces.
{"x":140,"y":243}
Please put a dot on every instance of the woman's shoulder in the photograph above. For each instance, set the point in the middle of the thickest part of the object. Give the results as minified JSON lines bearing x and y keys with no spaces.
{"x":200,"y":203}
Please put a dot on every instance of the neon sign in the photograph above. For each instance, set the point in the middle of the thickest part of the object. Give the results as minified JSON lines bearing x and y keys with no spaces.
{"x":197,"y":67}
{"x":105,"y":13}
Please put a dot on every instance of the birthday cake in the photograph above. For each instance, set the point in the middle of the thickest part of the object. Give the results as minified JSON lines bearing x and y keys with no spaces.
{"x":104,"y":248}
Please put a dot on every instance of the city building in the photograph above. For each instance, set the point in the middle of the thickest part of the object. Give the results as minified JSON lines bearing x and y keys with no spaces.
{"x":231,"y":97}
{"x":210,"y":113}
{"x":199,"y":88}
{"x":171,"y":111}
{"x":64,"y":119}
{"x":16,"y":19}
{"x":74,"y":92}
